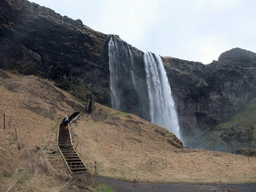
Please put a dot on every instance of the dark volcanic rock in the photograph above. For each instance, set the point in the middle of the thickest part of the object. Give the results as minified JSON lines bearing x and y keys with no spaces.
{"x":36,"y":40}
{"x":238,"y":57}
{"x":205,"y":94}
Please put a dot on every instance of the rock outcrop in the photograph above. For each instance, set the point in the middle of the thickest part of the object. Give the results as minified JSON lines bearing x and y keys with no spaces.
{"x":205,"y":94}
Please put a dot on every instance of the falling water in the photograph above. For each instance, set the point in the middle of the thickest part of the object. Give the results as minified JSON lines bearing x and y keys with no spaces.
{"x":141,"y":87}
{"x":127,"y":80}
{"x":119,"y":56}
{"x":162,"y":109}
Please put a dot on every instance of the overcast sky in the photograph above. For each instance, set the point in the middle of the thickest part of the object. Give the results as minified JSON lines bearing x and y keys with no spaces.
{"x":195,"y":30}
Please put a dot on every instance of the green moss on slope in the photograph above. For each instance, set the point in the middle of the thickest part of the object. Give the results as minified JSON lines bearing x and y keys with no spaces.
{"x":238,"y":130}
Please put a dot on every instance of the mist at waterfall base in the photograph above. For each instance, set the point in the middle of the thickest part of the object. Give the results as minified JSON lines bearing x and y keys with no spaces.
{"x":141,"y":87}
{"x":205,"y":139}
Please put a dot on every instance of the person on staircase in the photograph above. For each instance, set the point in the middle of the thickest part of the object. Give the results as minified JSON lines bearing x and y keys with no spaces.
{"x":65,"y":122}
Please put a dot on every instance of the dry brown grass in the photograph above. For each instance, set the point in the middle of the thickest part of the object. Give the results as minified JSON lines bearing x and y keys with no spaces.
{"x":31,"y":164}
{"x":33,"y":109}
{"x":124,"y":145}
{"x":128,"y":147}
{"x":80,"y":183}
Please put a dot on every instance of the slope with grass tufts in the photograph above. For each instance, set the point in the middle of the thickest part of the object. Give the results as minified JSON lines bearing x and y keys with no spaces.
{"x":29,"y":157}
{"x":123,"y":145}
{"x":238,"y":131}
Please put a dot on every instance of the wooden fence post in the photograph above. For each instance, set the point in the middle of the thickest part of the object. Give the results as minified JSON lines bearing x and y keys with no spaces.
{"x":95,"y":172}
{"x":16,"y":135}
{"x":4,"y":121}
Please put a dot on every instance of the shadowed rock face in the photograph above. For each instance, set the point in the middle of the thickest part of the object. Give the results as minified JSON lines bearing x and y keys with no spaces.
{"x":205,"y":94}
{"x":36,"y":40}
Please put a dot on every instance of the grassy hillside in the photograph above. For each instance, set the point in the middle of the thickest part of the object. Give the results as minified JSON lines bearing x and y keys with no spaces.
{"x":123,"y":145}
{"x":33,"y":108}
{"x":236,"y":132}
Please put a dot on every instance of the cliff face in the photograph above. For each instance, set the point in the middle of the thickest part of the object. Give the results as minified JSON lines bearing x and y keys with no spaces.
{"x":205,"y":94}
{"x":36,"y":40}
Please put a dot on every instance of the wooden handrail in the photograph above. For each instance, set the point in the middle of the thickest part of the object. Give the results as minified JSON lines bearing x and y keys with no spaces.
{"x":69,"y":143}
{"x":61,"y":151}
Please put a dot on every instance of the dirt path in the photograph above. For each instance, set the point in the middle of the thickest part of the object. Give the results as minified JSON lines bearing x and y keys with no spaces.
{"x":124,"y":186}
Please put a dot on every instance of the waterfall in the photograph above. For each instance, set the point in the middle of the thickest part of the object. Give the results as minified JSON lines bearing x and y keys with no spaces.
{"x":118,"y":58}
{"x":162,"y":109}
{"x":141,"y":87}
{"x":127,"y":82}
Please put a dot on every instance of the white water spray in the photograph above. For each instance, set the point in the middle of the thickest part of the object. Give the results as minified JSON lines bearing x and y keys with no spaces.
{"x":141,"y":87}
{"x":162,"y":109}
{"x":120,"y":63}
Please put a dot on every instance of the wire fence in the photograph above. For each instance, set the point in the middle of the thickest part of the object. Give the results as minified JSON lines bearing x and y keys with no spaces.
{"x":8,"y":121}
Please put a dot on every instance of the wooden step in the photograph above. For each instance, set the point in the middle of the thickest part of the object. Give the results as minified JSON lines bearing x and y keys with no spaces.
{"x":71,"y":156}
{"x":78,"y":169}
{"x":74,"y":162}
{"x":69,"y":153}
{"x":72,"y":159}
{"x":67,"y":144}
{"x":66,"y":147}
{"x":76,"y":166}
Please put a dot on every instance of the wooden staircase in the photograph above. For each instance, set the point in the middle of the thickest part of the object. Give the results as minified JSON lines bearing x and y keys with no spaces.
{"x":70,"y":155}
